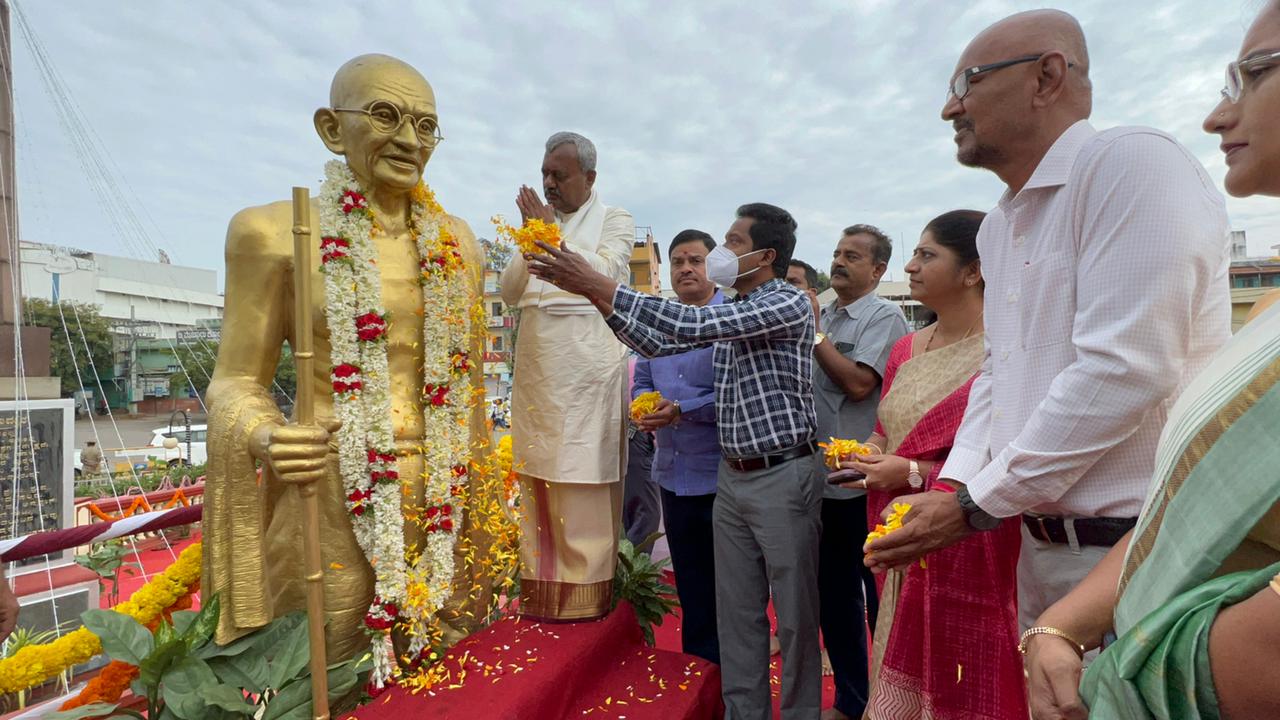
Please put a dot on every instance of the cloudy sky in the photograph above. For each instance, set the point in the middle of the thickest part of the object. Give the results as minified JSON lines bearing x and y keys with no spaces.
{"x":828,"y":108}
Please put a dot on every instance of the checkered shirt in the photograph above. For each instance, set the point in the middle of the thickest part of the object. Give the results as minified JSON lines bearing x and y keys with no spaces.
{"x":763,"y":359}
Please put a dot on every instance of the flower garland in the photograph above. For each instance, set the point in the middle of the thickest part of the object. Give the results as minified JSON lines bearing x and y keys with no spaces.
{"x":111,"y":682}
{"x":410,"y":583}
{"x":839,"y":450}
{"x":35,"y":664}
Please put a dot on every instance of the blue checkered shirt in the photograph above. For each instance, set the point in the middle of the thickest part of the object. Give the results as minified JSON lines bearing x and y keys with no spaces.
{"x":763,"y":359}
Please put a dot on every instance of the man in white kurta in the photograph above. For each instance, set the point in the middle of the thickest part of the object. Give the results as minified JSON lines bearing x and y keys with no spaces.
{"x":568,"y":403}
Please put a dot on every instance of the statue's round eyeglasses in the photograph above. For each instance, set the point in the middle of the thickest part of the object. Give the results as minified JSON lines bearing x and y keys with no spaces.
{"x":385,"y":117}
{"x":1241,"y":74}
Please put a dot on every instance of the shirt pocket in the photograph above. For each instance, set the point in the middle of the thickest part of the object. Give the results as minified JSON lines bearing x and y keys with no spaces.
{"x":1047,"y":300}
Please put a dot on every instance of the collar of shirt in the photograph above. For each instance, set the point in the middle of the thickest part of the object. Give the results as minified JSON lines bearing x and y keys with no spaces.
{"x":852,"y":309}
{"x":768,"y":286}
{"x":1055,"y":166}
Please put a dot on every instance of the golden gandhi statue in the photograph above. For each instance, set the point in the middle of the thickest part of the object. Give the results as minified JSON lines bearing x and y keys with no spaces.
{"x":253,"y":527}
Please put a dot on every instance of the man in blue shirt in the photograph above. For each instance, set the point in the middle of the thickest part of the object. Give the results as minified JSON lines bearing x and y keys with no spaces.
{"x":688,"y":452}
{"x":767,"y":513}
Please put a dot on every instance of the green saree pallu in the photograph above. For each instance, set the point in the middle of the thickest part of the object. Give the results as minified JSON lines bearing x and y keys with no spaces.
{"x":1206,"y":539}
{"x":1160,"y":668}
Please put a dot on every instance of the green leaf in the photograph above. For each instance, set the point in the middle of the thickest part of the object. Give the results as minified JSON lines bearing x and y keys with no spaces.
{"x":204,"y":624}
{"x":226,"y":698}
{"x":164,"y":633}
{"x":294,"y":700}
{"x":182,"y":688}
{"x":248,"y":670}
{"x":182,"y":620}
{"x":261,"y":640}
{"x":153,"y":667}
{"x":97,"y":709}
{"x":122,"y":637}
{"x":290,"y":657}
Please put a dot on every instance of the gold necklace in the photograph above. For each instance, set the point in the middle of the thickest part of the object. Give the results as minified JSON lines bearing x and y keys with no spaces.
{"x":967,"y":333}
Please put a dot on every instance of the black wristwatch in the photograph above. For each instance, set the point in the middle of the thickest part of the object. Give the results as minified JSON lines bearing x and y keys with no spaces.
{"x":977,"y":518}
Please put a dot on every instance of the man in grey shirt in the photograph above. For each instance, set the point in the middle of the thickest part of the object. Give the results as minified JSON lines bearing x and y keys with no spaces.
{"x":858,"y":330}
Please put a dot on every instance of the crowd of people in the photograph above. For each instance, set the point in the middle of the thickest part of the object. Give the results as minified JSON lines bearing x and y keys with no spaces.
{"x":1088,"y":454}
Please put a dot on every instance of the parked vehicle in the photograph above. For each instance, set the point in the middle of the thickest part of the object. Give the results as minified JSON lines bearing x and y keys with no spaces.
{"x":155,"y":451}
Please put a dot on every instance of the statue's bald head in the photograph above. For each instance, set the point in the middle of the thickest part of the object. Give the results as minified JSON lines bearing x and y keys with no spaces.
{"x":355,"y":76}
{"x":1035,"y":32}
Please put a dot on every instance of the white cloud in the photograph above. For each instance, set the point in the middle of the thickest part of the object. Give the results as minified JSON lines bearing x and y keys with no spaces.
{"x":827,"y":108}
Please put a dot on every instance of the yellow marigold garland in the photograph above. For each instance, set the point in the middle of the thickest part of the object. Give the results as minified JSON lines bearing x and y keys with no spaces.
{"x":35,"y":664}
{"x":838,"y":450}
{"x":893,"y":522}
{"x":645,"y":404}
{"x":527,"y":236}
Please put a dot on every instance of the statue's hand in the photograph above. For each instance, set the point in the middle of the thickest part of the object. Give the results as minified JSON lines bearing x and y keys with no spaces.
{"x":295,"y":453}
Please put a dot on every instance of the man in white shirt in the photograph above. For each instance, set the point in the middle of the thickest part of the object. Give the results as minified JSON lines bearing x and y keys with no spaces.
{"x":1106,"y":269}
{"x":569,"y":398}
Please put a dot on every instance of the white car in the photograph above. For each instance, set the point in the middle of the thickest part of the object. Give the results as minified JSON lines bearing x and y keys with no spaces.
{"x":140,"y":456}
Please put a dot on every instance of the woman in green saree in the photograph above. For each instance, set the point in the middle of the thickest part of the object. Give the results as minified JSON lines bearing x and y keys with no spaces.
{"x":1194,"y":596}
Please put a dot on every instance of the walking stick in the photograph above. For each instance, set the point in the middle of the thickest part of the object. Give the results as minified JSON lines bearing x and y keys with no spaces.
{"x":304,"y":414}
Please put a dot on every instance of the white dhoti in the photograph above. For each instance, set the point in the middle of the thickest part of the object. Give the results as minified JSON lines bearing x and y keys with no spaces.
{"x":569,"y":411}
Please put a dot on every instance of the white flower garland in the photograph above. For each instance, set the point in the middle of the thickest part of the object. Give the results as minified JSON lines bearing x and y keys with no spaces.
{"x":411,"y":583}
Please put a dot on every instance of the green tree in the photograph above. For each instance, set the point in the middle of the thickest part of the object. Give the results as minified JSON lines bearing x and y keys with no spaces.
{"x":84,"y":326}
{"x":198,"y":359}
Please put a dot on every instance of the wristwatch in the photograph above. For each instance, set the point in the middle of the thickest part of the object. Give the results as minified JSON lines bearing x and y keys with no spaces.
{"x":818,"y":338}
{"x":914,"y":478}
{"x":977,"y":518}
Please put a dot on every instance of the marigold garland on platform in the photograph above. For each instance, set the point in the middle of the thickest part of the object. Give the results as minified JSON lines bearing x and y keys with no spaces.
{"x":111,"y":682}
{"x":35,"y":664}
{"x":526,"y":237}
{"x":410,"y":583}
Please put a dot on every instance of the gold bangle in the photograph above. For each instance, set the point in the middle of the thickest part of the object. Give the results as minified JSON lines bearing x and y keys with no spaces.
{"x":1043,"y":630}
{"x":873,"y":445}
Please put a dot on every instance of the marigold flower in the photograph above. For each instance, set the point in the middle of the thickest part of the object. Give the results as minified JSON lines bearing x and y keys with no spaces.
{"x":526,"y":238}
{"x":839,"y":450}
{"x":645,"y":404}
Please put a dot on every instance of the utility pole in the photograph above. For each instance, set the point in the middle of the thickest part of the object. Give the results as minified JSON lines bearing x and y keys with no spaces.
{"x":132,"y":326}
{"x":33,"y":341}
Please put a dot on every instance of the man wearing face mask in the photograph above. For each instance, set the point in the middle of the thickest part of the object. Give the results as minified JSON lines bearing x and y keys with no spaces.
{"x":766,"y":517}
{"x":568,"y":401}
{"x":859,"y":329}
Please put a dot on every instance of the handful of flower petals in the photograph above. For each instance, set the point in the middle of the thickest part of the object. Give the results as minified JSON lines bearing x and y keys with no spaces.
{"x":838,"y":450}
{"x":893,"y":522}
{"x":645,"y":404}
{"x":526,"y":238}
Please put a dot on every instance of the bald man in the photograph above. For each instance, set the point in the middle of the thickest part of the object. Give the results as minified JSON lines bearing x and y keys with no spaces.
{"x":1106,"y":268}
{"x":382,"y":120}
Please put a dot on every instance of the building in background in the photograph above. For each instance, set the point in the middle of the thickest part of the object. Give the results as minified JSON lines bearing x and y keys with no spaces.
{"x":501,"y":341}
{"x":646,"y":263}
{"x":1251,"y":278}
{"x":151,"y":307}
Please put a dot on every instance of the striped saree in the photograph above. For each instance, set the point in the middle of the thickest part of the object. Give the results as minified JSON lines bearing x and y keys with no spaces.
{"x":1208,"y":537}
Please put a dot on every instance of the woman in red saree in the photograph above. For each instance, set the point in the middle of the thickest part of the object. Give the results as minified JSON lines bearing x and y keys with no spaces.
{"x":946,"y":641}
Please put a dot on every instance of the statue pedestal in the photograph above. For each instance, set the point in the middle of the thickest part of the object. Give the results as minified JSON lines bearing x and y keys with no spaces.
{"x":521,"y":669}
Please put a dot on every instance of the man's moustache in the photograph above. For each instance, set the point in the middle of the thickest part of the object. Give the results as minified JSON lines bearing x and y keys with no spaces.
{"x":840,"y":271}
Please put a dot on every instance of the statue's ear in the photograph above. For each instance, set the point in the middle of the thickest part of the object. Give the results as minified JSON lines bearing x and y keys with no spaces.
{"x":330,"y":130}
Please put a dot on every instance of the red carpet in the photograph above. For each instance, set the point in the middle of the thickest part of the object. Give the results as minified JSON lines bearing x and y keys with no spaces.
{"x":668,"y":638}
{"x":537,"y":671}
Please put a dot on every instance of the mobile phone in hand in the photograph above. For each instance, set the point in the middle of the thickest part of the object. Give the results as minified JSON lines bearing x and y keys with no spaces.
{"x":840,"y":477}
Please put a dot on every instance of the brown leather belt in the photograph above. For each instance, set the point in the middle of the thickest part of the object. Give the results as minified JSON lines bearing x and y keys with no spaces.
{"x":760,"y":462}
{"x":1101,"y":532}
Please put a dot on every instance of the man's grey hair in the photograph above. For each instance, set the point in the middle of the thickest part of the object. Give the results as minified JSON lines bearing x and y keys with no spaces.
{"x":586,"y":149}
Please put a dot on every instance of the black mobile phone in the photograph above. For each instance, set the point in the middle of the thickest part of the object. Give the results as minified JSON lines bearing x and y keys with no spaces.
{"x":840,"y":477}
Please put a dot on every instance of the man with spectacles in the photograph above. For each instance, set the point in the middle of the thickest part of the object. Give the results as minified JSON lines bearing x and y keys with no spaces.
{"x":569,"y":397}
{"x":1106,"y":269}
